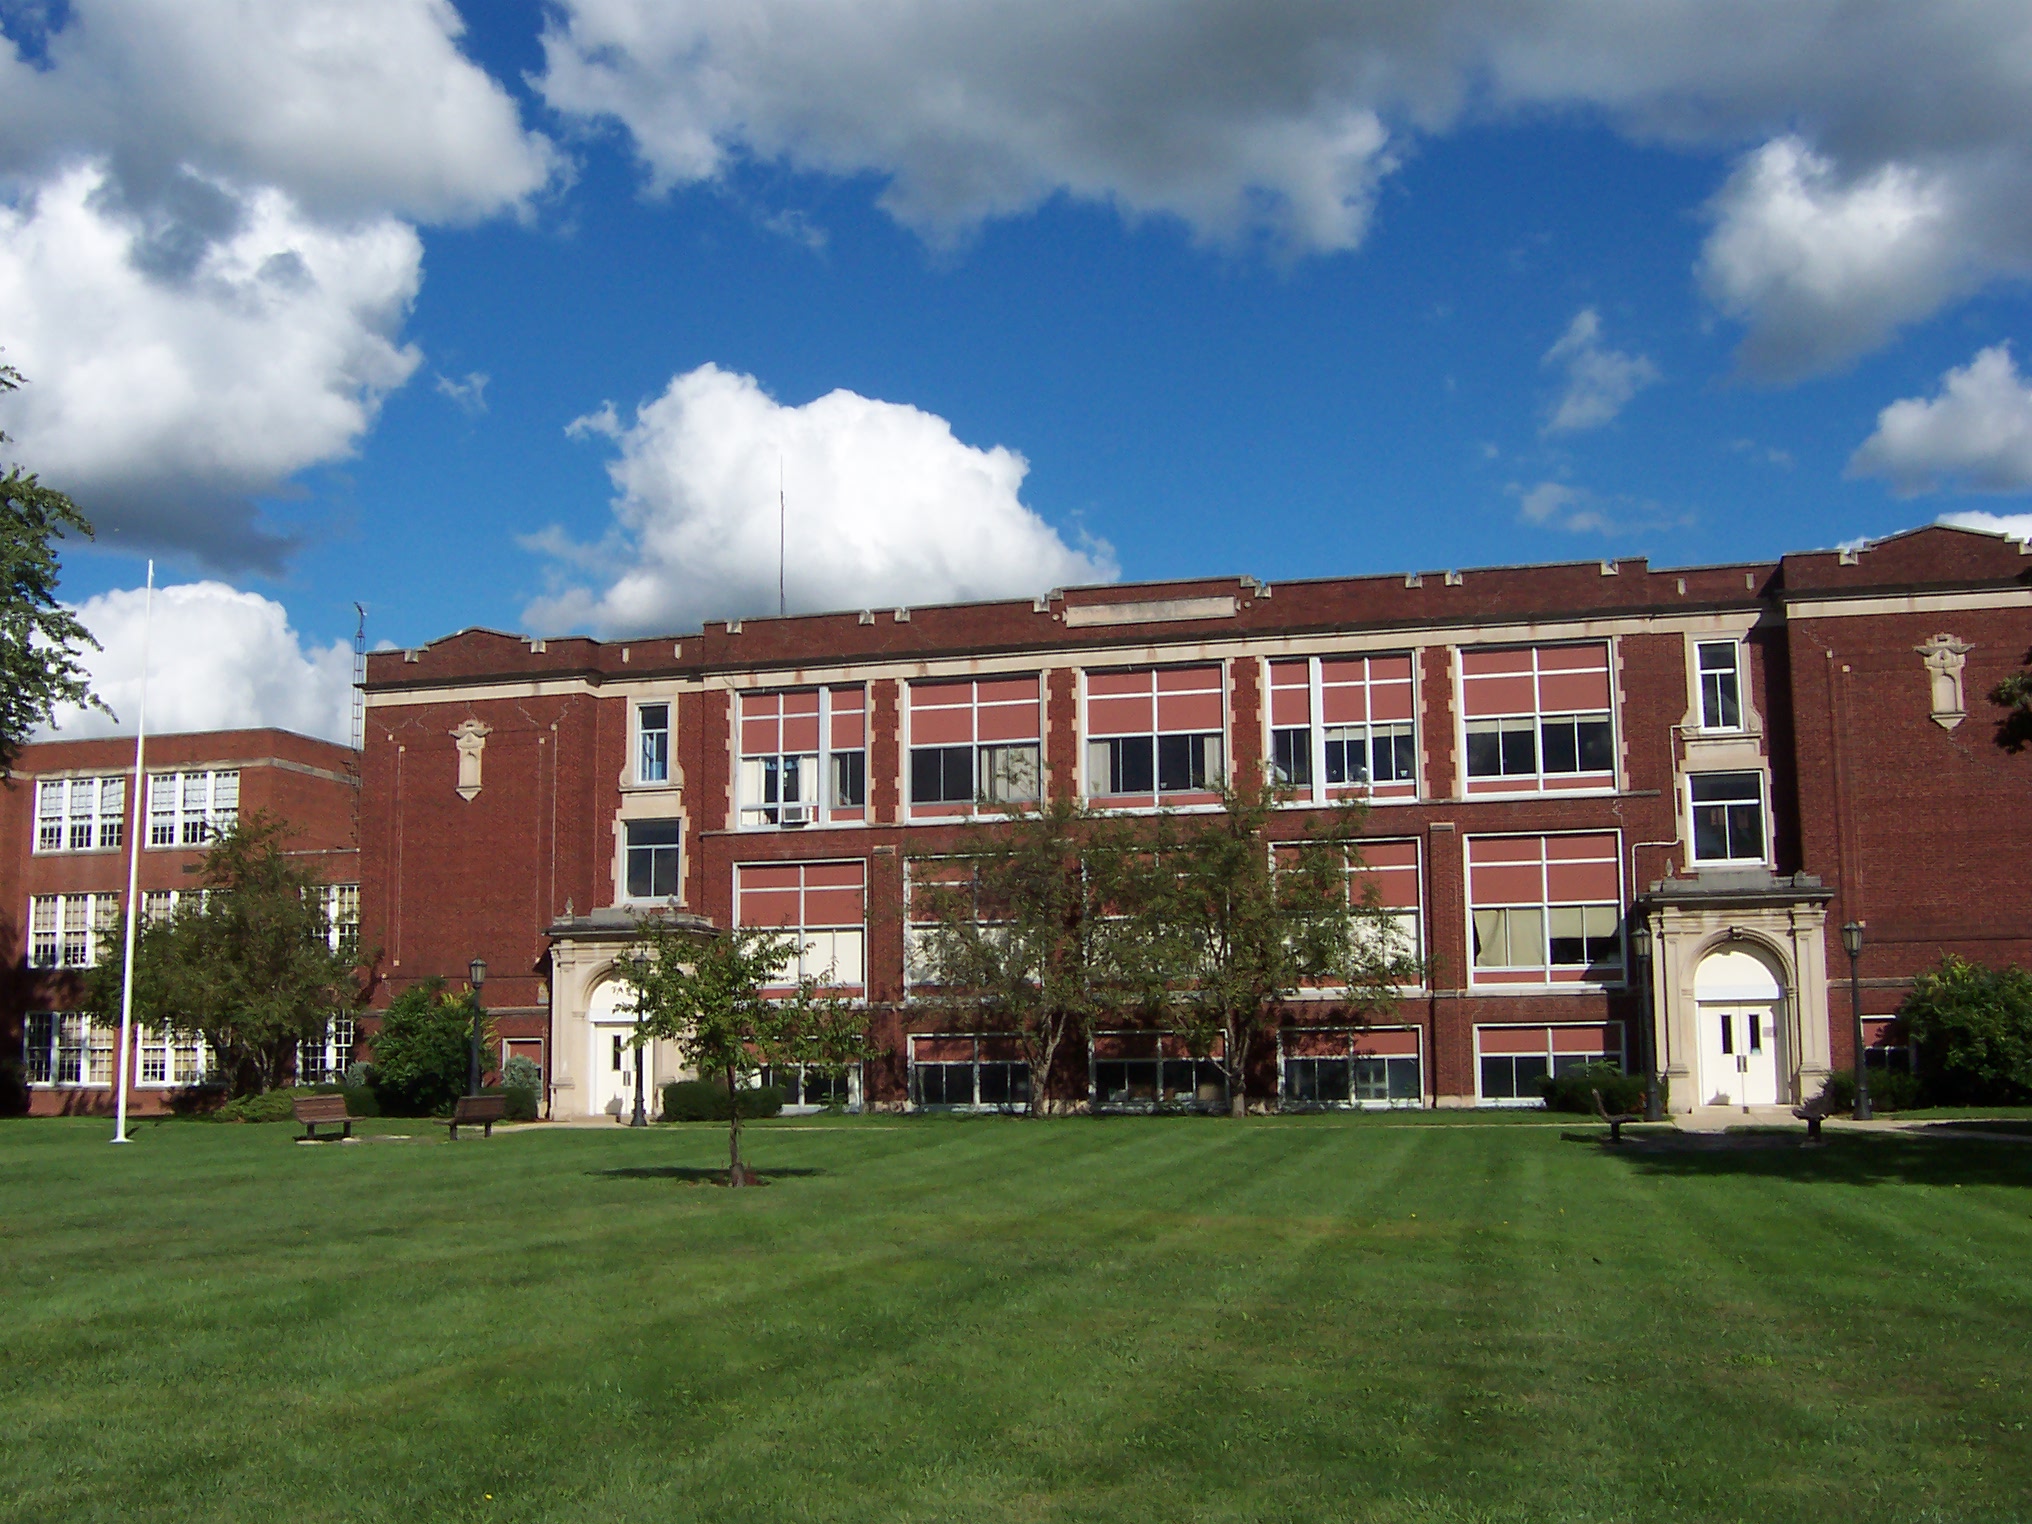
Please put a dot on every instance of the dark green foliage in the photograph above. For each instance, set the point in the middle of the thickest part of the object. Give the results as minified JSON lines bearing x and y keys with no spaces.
{"x":1621,"y":1093}
{"x":13,"y":1091}
{"x":1890,"y":1090}
{"x":2014,"y":693}
{"x":266,"y":1106}
{"x":422,"y":1052}
{"x":248,"y":965}
{"x":1971,"y":1028}
{"x":40,"y":639}
{"x":706,"y":1101}
{"x":521,"y":1100}
{"x":522,"y":1083}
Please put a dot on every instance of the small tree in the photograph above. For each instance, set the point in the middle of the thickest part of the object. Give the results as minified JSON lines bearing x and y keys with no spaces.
{"x":1971,"y":1031}
{"x":40,"y":639}
{"x":707,"y":993}
{"x":1015,"y":931}
{"x":247,"y":964}
{"x":1235,"y":922}
{"x":423,"y":1049}
{"x":2014,"y":693}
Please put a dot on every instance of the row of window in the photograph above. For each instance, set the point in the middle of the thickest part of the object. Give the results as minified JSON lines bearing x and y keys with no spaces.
{"x":89,"y":814}
{"x":1533,"y":719}
{"x":69,"y":1048}
{"x":1541,"y":909}
{"x":65,"y":930}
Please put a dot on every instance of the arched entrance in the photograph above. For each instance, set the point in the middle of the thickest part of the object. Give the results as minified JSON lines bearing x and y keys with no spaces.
{"x":610,"y":1063}
{"x":1740,"y":1028}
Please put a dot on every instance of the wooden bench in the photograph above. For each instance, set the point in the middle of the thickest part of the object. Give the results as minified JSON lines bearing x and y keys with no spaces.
{"x":1813,"y":1113}
{"x":1615,"y":1120}
{"x":477,"y":1111}
{"x":321,"y":1110}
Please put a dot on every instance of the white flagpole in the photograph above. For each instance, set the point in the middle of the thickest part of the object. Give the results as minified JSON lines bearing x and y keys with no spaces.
{"x":140,"y":818}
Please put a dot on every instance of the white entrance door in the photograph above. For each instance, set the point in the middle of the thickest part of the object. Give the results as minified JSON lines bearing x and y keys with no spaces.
{"x":1739,"y":1055}
{"x":610,"y":1061}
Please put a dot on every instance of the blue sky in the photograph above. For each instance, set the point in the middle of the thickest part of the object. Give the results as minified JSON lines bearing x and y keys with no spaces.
{"x":1237,"y":287}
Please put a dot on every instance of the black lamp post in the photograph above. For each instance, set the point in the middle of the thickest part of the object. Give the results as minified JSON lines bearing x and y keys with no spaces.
{"x":476,"y":971}
{"x":1640,"y":945}
{"x":639,"y":1119}
{"x":1852,"y":940}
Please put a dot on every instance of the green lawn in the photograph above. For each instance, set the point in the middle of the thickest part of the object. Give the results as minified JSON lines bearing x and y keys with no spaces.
{"x":925,"y":1319}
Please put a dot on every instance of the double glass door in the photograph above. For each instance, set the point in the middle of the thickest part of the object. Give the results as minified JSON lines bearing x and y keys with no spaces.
{"x":1739,"y":1055}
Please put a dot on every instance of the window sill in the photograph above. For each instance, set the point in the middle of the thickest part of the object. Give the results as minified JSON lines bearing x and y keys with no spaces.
{"x":1520,"y":988}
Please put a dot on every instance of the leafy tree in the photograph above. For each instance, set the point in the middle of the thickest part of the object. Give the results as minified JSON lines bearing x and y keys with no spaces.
{"x":40,"y":639}
{"x":706,"y":993}
{"x":1971,"y":1031}
{"x":1235,"y":921}
{"x":247,"y":964}
{"x":423,"y":1049}
{"x":1018,"y":935}
{"x":2014,"y":730}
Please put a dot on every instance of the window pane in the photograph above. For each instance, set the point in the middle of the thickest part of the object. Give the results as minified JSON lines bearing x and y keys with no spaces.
{"x":1530,"y":1069}
{"x":1520,"y":753}
{"x":1394,"y":754}
{"x":1291,"y":757}
{"x":1132,"y":766}
{"x":1485,"y":751}
{"x":1175,"y":764}
{"x":1489,"y":939}
{"x":1562,"y":746}
{"x":1009,"y":773}
{"x":1499,"y":1080}
{"x":850,"y":779}
{"x":1404,"y":1080}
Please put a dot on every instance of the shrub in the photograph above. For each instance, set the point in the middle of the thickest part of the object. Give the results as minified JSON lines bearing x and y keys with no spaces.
{"x":521,"y":1101}
{"x":268,"y":1106}
{"x":1571,"y":1091}
{"x":521,"y":1073}
{"x":706,"y":1101}
{"x":1971,"y":1027}
{"x":422,"y":1051}
{"x":197,"y":1100}
{"x":1890,"y":1090}
{"x":13,"y":1092}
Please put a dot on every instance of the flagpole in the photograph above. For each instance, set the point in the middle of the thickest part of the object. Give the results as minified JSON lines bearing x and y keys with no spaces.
{"x":140,"y":819}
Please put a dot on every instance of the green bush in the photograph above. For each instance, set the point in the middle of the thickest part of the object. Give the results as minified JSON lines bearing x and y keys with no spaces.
{"x":360,"y":1101}
{"x":13,"y":1090}
{"x":1890,"y":1090}
{"x":521,"y":1073}
{"x":1971,"y":1028}
{"x":521,"y":1100}
{"x":1570,"y":1091}
{"x":706,"y":1101}
{"x":268,"y":1106}
{"x":422,"y":1051}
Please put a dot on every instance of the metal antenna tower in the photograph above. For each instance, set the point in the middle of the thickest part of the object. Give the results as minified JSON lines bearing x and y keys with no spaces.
{"x":360,"y":679}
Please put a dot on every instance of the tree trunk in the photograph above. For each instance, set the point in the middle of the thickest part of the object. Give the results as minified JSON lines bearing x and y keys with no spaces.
{"x":1235,"y":1059}
{"x":737,"y":1172}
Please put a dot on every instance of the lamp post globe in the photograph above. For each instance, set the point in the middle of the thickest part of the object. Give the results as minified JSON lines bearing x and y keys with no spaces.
{"x":1852,"y":944}
{"x":476,"y":973}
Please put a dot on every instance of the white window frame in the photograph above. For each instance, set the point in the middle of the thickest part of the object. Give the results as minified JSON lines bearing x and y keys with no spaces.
{"x":817,"y":945}
{"x":165,"y":1063}
{"x":103,"y":820}
{"x":815,"y":803}
{"x":1534,"y":782}
{"x":342,"y":912}
{"x":1094,"y":1061}
{"x":626,"y":895}
{"x":191,"y":825}
{"x":95,"y":1047}
{"x":911,"y":1081}
{"x":968,"y":808}
{"x":1693,"y":852}
{"x":1537,"y":1103}
{"x":1353,"y":1036}
{"x":772,"y":1073}
{"x":660,"y":777}
{"x":55,"y":920}
{"x":1544,"y":907}
{"x":1735,"y":675}
{"x":1090,"y":789}
{"x":323,"y":1060}
{"x":1316,"y":792}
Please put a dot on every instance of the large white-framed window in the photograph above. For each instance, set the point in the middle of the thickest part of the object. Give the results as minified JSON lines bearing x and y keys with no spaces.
{"x":166,"y":1062}
{"x":1545,"y":909}
{"x":1349,"y":1068}
{"x":804,"y":757}
{"x":967,"y":1071}
{"x":64,"y":929}
{"x":1512,"y":1063}
{"x":67,"y":1048}
{"x":822,"y":905}
{"x":1720,"y":665}
{"x":652,"y":859}
{"x":322,"y":1060}
{"x":342,"y":916}
{"x":190,"y":809}
{"x":80,"y":814}
{"x":927,"y":880}
{"x":1147,"y":1071}
{"x":1344,"y":727}
{"x":808,"y":1087}
{"x":975,"y":742}
{"x":1156,"y":736}
{"x":1537,"y":719}
{"x":1727,"y":814}
{"x":652,"y":743}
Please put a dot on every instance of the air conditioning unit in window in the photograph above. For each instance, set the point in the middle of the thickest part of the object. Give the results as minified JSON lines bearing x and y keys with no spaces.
{"x":795,"y":815}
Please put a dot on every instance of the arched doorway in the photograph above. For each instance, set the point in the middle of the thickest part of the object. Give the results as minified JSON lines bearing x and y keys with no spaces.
{"x":610,"y":1063}
{"x":1739,"y":1005}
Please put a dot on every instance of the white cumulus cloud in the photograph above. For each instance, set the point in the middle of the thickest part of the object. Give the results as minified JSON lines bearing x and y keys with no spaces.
{"x":218,"y":659}
{"x":1600,"y":381}
{"x":173,"y":380}
{"x":1974,"y":435}
{"x":354,"y":107}
{"x":1895,"y":166}
{"x":885,"y":507}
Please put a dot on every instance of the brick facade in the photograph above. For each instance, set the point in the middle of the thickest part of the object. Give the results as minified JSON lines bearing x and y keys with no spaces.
{"x":1867,"y":805}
